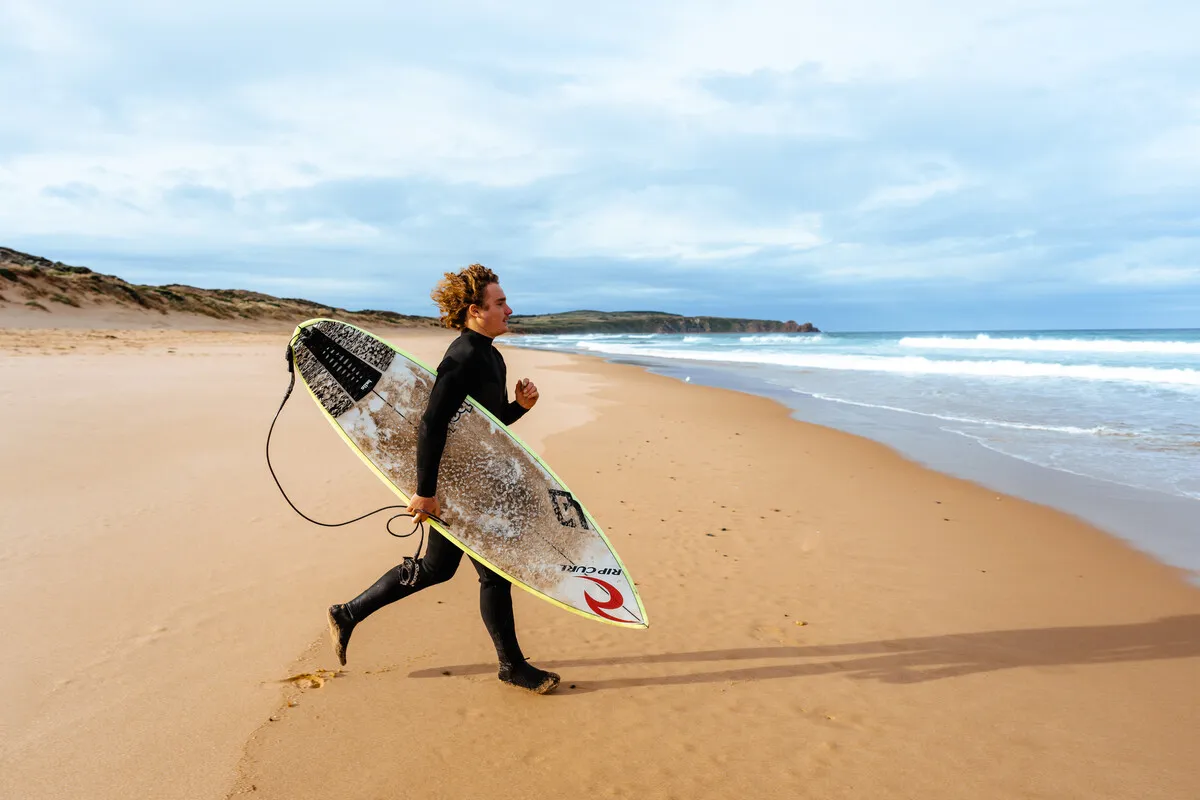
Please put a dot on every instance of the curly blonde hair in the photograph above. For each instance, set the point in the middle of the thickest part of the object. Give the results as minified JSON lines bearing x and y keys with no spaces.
{"x":458,"y":291}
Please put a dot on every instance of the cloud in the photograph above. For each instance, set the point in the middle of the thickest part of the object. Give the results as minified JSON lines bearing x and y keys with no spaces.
{"x":910,"y":194}
{"x":694,"y":224}
{"x":36,"y":29}
{"x":687,"y":151}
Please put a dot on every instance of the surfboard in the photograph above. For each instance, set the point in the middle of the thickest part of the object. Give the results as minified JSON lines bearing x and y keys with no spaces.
{"x":501,"y":502}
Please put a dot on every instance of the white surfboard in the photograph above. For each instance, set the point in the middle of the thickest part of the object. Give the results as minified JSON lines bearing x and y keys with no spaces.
{"x":501,"y":503}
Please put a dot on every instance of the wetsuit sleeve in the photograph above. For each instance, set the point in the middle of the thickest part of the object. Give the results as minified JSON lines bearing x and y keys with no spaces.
{"x":512,"y":412}
{"x":450,"y":389}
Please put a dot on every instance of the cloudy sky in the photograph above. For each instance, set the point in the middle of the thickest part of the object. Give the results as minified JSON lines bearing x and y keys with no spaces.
{"x":865,"y":164}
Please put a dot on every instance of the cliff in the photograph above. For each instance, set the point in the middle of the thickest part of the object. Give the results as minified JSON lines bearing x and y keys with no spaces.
{"x":648,"y":322}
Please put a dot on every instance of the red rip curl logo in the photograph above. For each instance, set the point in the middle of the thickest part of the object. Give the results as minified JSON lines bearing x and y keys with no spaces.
{"x":599,"y":608}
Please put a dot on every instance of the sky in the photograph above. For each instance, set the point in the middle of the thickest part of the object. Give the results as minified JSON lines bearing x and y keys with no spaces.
{"x":864,"y":165}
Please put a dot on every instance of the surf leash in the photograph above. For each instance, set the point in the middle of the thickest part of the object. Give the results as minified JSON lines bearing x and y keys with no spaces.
{"x":411,"y":564}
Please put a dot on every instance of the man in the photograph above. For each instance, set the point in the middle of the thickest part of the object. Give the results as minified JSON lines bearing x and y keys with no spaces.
{"x":472,"y":302}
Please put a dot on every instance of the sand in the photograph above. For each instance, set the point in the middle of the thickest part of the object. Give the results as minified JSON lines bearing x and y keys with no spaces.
{"x":827,"y":619}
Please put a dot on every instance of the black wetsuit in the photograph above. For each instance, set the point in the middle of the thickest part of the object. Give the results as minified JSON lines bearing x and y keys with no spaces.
{"x":472,"y":366}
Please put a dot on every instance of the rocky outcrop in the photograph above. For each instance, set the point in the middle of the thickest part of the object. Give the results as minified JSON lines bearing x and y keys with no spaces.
{"x":730,"y":325}
{"x":649,"y":322}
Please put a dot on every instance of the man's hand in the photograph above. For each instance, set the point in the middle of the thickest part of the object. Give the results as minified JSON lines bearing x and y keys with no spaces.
{"x":421,"y":507}
{"x":527,"y":393}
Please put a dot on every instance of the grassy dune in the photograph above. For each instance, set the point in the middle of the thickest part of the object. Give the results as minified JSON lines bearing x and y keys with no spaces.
{"x":51,"y":286}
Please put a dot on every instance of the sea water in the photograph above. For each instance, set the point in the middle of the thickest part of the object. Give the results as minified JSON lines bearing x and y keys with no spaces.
{"x":1113,"y":414}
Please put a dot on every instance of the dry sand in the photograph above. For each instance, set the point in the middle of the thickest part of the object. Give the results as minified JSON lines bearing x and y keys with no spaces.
{"x":828,"y":619}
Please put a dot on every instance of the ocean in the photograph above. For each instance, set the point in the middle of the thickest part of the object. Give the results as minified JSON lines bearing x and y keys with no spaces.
{"x":1104,"y":424}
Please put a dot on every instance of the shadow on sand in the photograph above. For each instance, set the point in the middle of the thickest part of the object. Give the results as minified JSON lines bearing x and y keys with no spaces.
{"x":914,"y":660}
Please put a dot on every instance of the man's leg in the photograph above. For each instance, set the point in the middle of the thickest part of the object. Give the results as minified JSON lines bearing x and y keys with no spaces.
{"x":438,"y":565}
{"x":495,"y":606}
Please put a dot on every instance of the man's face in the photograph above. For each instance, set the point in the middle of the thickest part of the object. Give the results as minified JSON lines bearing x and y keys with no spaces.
{"x":493,"y":317}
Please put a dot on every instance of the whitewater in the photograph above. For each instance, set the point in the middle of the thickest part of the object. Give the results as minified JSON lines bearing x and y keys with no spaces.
{"x":1117,"y":407}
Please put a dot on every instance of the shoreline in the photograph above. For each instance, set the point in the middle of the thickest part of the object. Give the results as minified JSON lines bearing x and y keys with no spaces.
{"x":1152,"y":522}
{"x":942,"y":624}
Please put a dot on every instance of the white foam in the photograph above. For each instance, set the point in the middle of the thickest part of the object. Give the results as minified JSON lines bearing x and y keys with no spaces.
{"x":560,"y":340}
{"x":782,"y":338}
{"x":1099,"y":430}
{"x":1028,"y":344}
{"x":912,"y":365}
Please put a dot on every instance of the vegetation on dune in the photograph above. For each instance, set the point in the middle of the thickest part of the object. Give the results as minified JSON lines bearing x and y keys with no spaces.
{"x":32,"y":278}
{"x":66,"y":300}
{"x":36,"y":278}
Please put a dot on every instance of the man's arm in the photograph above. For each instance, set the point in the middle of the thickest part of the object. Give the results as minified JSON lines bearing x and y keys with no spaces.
{"x":449,"y":392}
{"x":512,"y":412}
{"x":527,"y":396}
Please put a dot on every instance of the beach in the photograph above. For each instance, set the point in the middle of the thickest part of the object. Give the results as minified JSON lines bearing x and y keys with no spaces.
{"x":828,"y":619}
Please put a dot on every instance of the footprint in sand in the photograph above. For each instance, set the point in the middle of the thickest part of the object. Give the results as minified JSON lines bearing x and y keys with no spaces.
{"x":769,"y":633}
{"x":313,"y":680}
